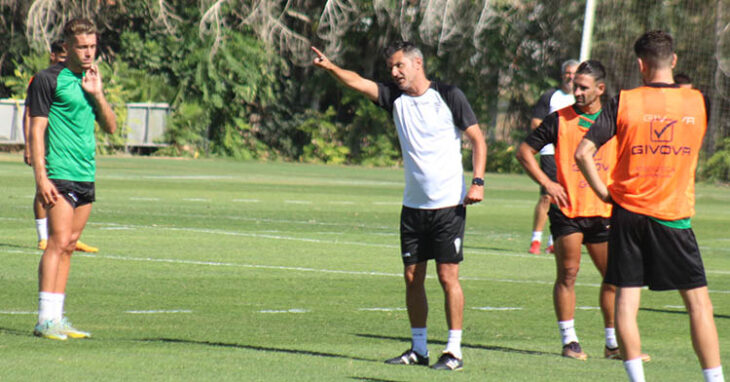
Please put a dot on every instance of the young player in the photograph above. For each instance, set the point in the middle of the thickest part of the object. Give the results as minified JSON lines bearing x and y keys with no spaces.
{"x":58,"y":54}
{"x":550,"y":101}
{"x":65,"y":100}
{"x":577,"y":215}
{"x":430,"y":118}
{"x":659,"y":129}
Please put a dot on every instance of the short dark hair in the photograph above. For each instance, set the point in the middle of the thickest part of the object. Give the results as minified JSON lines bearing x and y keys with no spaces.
{"x":655,"y":48}
{"x":682,"y":78}
{"x":57,"y":47}
{"x":593,"y":68}
{"x":408,"y":48}
{"x":78,"y":26}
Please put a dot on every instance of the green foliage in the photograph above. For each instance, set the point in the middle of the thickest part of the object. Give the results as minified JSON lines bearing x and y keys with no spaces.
{"x":186,"y":129}
{"x":24,"y":71}
{"x":501,"y":158}
{"x":324,"y":145}
{"x":717,"y":167}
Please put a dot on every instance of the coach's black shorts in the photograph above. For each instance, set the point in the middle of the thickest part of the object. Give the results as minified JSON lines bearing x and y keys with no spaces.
{"x":594,"y":228}
{"x":77,"y":193}
{"x":547,"y":165}
{"x":432,"y":234}
{"x":642,"y":251}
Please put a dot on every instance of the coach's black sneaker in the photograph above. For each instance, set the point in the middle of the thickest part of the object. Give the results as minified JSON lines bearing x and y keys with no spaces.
{"x":447,"y":361}
{"x":409,"y":357}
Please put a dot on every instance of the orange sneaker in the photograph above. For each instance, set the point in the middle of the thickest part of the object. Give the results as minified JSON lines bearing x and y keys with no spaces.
{"x":85,"y":247}
{"x":534,"y":247}
{"x":42,"y":244}
{"x":550,"y":249}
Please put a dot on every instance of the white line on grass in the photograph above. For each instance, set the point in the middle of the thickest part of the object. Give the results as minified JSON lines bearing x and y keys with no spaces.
{"x":388,"y":203}
{"x":674,"y":306}
{"x":382,"y":309}
{"x":144,"y":199}
{"x":297,"y":202}
{"x":496,"y":308}
{"x":196,"y":200}
{"x":246,"y":200}
{"x":285,"y":311}
{"x":188,"y":177}
{"x":588,"y":307}
{"x":343,"y":202}
{"x":303,"y":269}
{"x":14,"y":312}
{"x":158,"y":311}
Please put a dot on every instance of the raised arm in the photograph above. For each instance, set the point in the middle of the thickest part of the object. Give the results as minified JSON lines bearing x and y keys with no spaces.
{"x":479,"y":163}
{"x":93,"y":86}
{"x":349,"y":78}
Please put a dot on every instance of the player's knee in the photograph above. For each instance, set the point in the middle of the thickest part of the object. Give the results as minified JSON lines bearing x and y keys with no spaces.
{"x":568,"y":275}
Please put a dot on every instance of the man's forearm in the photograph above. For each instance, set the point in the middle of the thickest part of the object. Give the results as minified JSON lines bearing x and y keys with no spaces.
{"x":106,"y":117}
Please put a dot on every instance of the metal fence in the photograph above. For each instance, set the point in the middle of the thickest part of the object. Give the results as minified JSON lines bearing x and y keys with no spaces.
{"x":145,"y":127}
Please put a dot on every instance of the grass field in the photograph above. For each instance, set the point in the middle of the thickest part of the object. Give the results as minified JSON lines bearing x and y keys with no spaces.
{"x":221,"y":270}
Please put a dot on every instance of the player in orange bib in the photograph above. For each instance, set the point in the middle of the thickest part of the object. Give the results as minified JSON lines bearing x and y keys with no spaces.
{"x":577,"y":215}
{"x":658,"y":129}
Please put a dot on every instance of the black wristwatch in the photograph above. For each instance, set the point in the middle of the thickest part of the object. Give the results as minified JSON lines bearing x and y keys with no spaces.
{"x":478,"y":181}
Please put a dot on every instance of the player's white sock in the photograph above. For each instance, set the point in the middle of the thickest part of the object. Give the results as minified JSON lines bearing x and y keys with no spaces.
{"x":635,"y":370}
{"x":611,"y":341}
{"x":567,"y":331}
{"x":714,"y":374}
{"x":418,"y":341}
{"x":41,"y":228}
{"x":536,"y":236}
{"x":50,"y":306}
{"x":453,"y":346}
{"x":550,"y":240}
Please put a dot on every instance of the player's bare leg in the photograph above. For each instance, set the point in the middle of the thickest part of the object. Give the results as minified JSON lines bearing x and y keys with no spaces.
{"x":702,"y":326}
{"x":417,"y":304}
{"x":539,"y":219}
{"x":448,"y":274}
{"x":567,"y":261}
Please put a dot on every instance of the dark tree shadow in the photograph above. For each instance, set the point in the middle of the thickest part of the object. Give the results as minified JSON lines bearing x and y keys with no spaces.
{"x":683,"y":312}
{"x":463,"y":344}
{"x":257,"y":348}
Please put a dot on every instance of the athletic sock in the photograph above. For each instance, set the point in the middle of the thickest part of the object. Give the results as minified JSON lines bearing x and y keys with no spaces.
{"x":50,"y":306}
{"x":41,"y":228}
{"x":550,"y":240}
{"x":611,"y":341}
{"x":635,"y":370}
{"x":536,"y":236}
{"x":567,"y":331}
{"x":453,"y":346}
{"x":714,"y":374}
{"x":418,"y":343}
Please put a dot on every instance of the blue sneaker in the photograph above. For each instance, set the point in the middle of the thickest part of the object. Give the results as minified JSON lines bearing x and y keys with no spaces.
{"x":67,"y":329}
{"x":51,"y":330}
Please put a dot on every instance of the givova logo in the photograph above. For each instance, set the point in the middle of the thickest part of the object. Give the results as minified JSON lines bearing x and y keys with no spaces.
{"x":661,"y":130}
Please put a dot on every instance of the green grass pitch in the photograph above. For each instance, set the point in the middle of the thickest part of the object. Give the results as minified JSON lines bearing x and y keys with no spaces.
{"x":221,"y":270}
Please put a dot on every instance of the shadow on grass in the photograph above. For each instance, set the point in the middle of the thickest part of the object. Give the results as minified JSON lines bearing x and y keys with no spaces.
{"x":257,"y":348}
{"x":15,"y":332}
{"x":373,"y":379}
{"x":724,"y":316}
{"x":487,"y":248}
{"x":8,"y":246}
{"x":463,"y":344}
